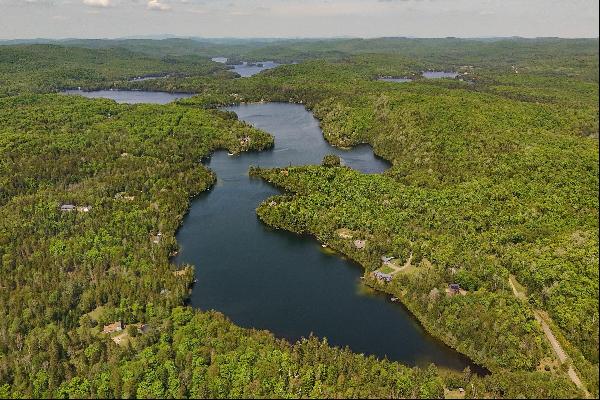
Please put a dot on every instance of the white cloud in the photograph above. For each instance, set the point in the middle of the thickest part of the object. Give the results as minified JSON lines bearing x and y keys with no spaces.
{"x":158,"y":6}
{"x":97,"y":3}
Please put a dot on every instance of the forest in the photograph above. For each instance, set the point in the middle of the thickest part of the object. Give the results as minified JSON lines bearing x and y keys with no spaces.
{"x":494,"y":180}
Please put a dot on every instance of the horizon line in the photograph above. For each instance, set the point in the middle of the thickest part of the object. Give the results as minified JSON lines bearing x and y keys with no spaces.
{"x":167,"y":36}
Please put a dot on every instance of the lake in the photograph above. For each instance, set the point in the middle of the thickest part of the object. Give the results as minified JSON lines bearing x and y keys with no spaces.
{"x":246,"y":69}
{"x":425,"y":74}
{"x":288,"y":284}
{"x":271,"y":279}
{"x":131,"y":96}
{"x":439,"y":74}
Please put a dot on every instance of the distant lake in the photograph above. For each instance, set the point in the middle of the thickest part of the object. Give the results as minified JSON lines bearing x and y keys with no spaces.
{"x":246,"y":69}
{"x":439,"y":74}
{"x":425,"y":74}
{"x":131,"y":96}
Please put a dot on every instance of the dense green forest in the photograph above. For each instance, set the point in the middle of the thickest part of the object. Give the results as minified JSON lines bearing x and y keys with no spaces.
{"x":492,"y":53}
{"x":42,"y":68}
{"x":494,"y":175}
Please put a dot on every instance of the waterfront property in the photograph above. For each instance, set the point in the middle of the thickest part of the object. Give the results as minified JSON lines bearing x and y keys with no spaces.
{"x":383,"y":277}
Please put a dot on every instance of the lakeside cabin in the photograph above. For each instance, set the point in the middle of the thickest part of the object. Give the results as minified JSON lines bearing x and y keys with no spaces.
{"x":360,"y":244}
{"x":114,"y":327}
{"x":156,"y":239}
{"x":180,"y":272}
{"x":386,"y":259}
{"x":382,"y":276}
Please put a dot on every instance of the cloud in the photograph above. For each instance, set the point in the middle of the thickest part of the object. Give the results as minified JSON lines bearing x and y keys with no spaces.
{"x":156,"y":5}
{"x":97,"y":3}
{"x":28,"y":2}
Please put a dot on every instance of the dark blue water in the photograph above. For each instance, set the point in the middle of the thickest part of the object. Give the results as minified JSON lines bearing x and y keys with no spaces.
{"x":271,"y":279}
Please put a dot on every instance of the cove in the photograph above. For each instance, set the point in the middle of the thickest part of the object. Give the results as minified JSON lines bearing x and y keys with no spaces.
{"x":288,"y":284}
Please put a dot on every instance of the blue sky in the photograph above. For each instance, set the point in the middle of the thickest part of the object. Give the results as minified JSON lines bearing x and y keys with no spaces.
{"x":295,"y":18}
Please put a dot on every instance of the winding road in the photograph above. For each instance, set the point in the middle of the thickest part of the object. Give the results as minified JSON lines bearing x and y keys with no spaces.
{"x":556,"y":347}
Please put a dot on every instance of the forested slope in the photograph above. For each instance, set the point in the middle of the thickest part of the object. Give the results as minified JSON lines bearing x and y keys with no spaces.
{"x":47,"y":68}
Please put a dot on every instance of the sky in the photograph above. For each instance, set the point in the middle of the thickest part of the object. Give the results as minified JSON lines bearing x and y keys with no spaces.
{"x":24,"y":19}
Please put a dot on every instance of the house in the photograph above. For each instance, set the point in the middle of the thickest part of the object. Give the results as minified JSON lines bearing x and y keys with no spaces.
{"x":454,"y":288}
{"x":67,"y":208}
{"x":84,"y":208}
{"x":114,"y":327}
{"x":386,"y":259}
{"x":156,"y":239}
{"x":360,"y":244}
{"x":382,"y":277}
